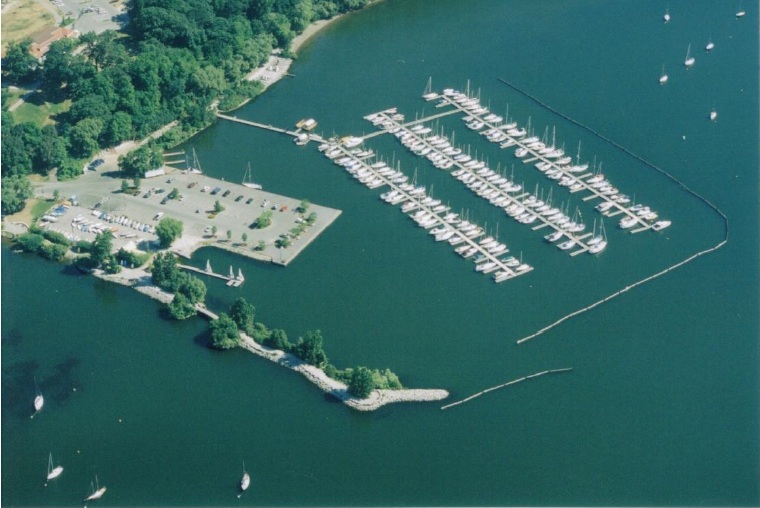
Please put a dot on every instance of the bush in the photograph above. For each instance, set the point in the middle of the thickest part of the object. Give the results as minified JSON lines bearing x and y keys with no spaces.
{"x":180,"y":307}
{"x":29,"y":242}
{"x":361,"y":383}
{"x":52,"y":251}
{"x":278,"y":339}
{"x":224,"y":332}
{"x":55,"y":237}
{"x":132,"y":259}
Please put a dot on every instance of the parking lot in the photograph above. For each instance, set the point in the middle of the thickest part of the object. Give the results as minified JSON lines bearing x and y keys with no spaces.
{"x":132,"y":218}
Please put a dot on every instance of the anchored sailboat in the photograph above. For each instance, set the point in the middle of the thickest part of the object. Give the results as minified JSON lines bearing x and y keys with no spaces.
{"x":195,"y":167}
{"x":666,"y":17}
{"x":39,"y":400}
{"x":53,"y":472}
{"x":97,"y":491}
{"x":663,"y":76}
{"x":247,"y":179}
{"x":245,"y":481}
{"x":689,"y":59}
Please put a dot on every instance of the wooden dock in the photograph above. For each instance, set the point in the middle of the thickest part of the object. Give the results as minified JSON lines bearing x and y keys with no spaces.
{"x":535,"y":156}
{"x":231,"y":281}
{"x":485,"y":185}
{"x":272,"y":128}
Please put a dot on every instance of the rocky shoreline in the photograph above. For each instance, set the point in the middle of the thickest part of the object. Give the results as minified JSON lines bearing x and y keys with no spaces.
{"x":140,"y":280}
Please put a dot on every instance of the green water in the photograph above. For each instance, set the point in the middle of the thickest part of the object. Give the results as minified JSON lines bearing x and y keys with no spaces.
{"x":662,"y":405}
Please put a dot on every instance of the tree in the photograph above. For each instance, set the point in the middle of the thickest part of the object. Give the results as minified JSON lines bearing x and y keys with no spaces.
{"x":264,"y":220}
{"x":361,"y":384}
{"x":168,"y":230}
{"x":68,"y":170}
{"x":15,"y":191}
{"x":192,"y":288}
{"x":214,"y":230}
{"x":164,"y":271}
{"x":311,"y":350}
{"x":303,"y":206}
{"x":229,"y":235}
{"x":261,"y":245}
{"x":218,"y":208}
{"x":180,"y":307}
{"x":243,"y":313}
{"x":137,"y":162}
{"x":124,"y":186}
{"x":19,"y":66}
{"x":56,"y":195}
{"x":101,"y":247}
{"x":136,"y":182}
{"x":119,"y":128}
{"x":244,"y":237}
{"x":278,"y":339}
{"x":83,"y":137}
{"x":173,"y":194}
{"x":224,"y":332}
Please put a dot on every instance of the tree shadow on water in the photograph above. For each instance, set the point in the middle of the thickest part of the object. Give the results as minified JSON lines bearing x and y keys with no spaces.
{"x":18,"y":389}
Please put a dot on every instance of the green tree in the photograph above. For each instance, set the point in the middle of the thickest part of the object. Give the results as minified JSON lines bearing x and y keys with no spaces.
{"x":218,"y":208}
{"x":224,"y":332}
{"x":101,"y":247}
{"x":56,"y":195}
{"x":261,"y":245}
{"x":243,"y":313}
{"x":15,"y":191}
{"x":68,"y":170}
{"x":136,"y":182}
{"x":164,"y":271}
{"x":83,"y":137}
{"x":180,"y":307}
{"x":361,"y":384}
{"x":174,"y":193}
{"x":119,"y":128}
{"x":137,"y":162}
{"x":19,"y":66}
{"x":29,"y":242}
{"x":264,"y":220}
{"x":168,"y":230}
{"x":310,"y":348}
{"x":278,"y":339}
{"x":244,"y":237}
{"x":303,"y":206}
{"x":214,"y":230}
{"x":192,"y":288}
{"x":229,"y":235}
{"x":124,"y":186}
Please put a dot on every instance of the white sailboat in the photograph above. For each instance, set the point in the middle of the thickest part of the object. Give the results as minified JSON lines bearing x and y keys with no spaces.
{"x":713,"y":114}
{"x":601,"y":244}
{"x":666,"y":17}
{"x":663,"y":76}
{"x":208,"y":266}
{"x":39,"y":400}
{"x":240,"y":275}
{"x":232,"y":274}
{"x":245,"y":481}
{"x":97,"y":491}
{"x":689,"y":59}
{"x":247,"y":179}
{"x":53,"y":472}
{"x":710,"y":44}
{"x":195,"y":167}
{"x":741,"y":12}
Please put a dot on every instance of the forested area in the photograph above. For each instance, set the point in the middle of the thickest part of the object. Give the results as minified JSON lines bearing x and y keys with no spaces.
{"x":175,"y":58}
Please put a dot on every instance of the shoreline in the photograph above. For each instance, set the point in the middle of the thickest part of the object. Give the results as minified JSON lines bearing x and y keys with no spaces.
{"x":140,"y":280}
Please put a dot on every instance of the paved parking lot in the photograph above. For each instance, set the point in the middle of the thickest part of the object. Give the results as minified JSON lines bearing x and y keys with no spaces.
{"x":194,"y":208}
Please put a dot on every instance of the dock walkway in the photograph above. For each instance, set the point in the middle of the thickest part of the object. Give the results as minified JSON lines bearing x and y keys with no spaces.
{"x":612,"y":209}
{"x":482,"y":181}
{"x":294,"y":134}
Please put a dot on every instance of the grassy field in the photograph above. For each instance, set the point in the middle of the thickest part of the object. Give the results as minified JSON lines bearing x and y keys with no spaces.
{"x":41,"y":113}
{"x":23,"y":19}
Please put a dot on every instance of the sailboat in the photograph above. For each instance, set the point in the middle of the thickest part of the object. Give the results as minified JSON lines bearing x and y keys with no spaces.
{"x":689,"y":59}
{"x":601,"y":244}
{"x":208,"y":266}
{"x":741,"y":12}
{"x":53,"y":472}
{"x":713,"y":114}
{"x":97,"y":491}
{"x":247,"y":179}
{"x":232,"y":274}
{"x":195,"y":167}
{"x":245,"y":481}
{"x":666,"y":17}
{"x":39,"y":400}
{"x":710,"y":44}
{"x":240,"y":275}
{"x":663,"y":77}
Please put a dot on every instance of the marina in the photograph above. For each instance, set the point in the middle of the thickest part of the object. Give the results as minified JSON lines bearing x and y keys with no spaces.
{"x":500,"y":191}
{"x":427,"y":212}
{"x":551,"y":161}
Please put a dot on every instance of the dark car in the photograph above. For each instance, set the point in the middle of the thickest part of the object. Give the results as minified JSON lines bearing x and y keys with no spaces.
{"x":215,"y":191}
{"x":249,"y":201}
{"x":238,"y":198}
{"x":226,"y":193}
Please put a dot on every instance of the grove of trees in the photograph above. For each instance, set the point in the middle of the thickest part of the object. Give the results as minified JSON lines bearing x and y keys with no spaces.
{"x":175,"y":58}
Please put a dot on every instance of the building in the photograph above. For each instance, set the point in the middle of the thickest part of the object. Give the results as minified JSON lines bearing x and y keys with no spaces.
{"x":42,"y":39}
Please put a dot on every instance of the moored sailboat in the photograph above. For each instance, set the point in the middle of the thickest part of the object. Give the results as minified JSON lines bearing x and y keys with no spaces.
{"x":53,"y":472}
{"x":245,"y":481}
{"x":247,"y":179}
{"x":97,"y":491}
{"x":689,"y":59}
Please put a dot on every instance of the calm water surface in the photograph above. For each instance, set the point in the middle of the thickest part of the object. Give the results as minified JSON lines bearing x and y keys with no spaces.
{"x":662,"y":405}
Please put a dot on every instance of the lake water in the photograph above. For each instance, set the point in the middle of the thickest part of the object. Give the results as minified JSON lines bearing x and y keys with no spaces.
{"x":661,"y":407}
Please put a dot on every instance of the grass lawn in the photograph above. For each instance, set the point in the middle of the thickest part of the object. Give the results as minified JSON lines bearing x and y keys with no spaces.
{"x":23,"y":19}
{"x":41,"y":113}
